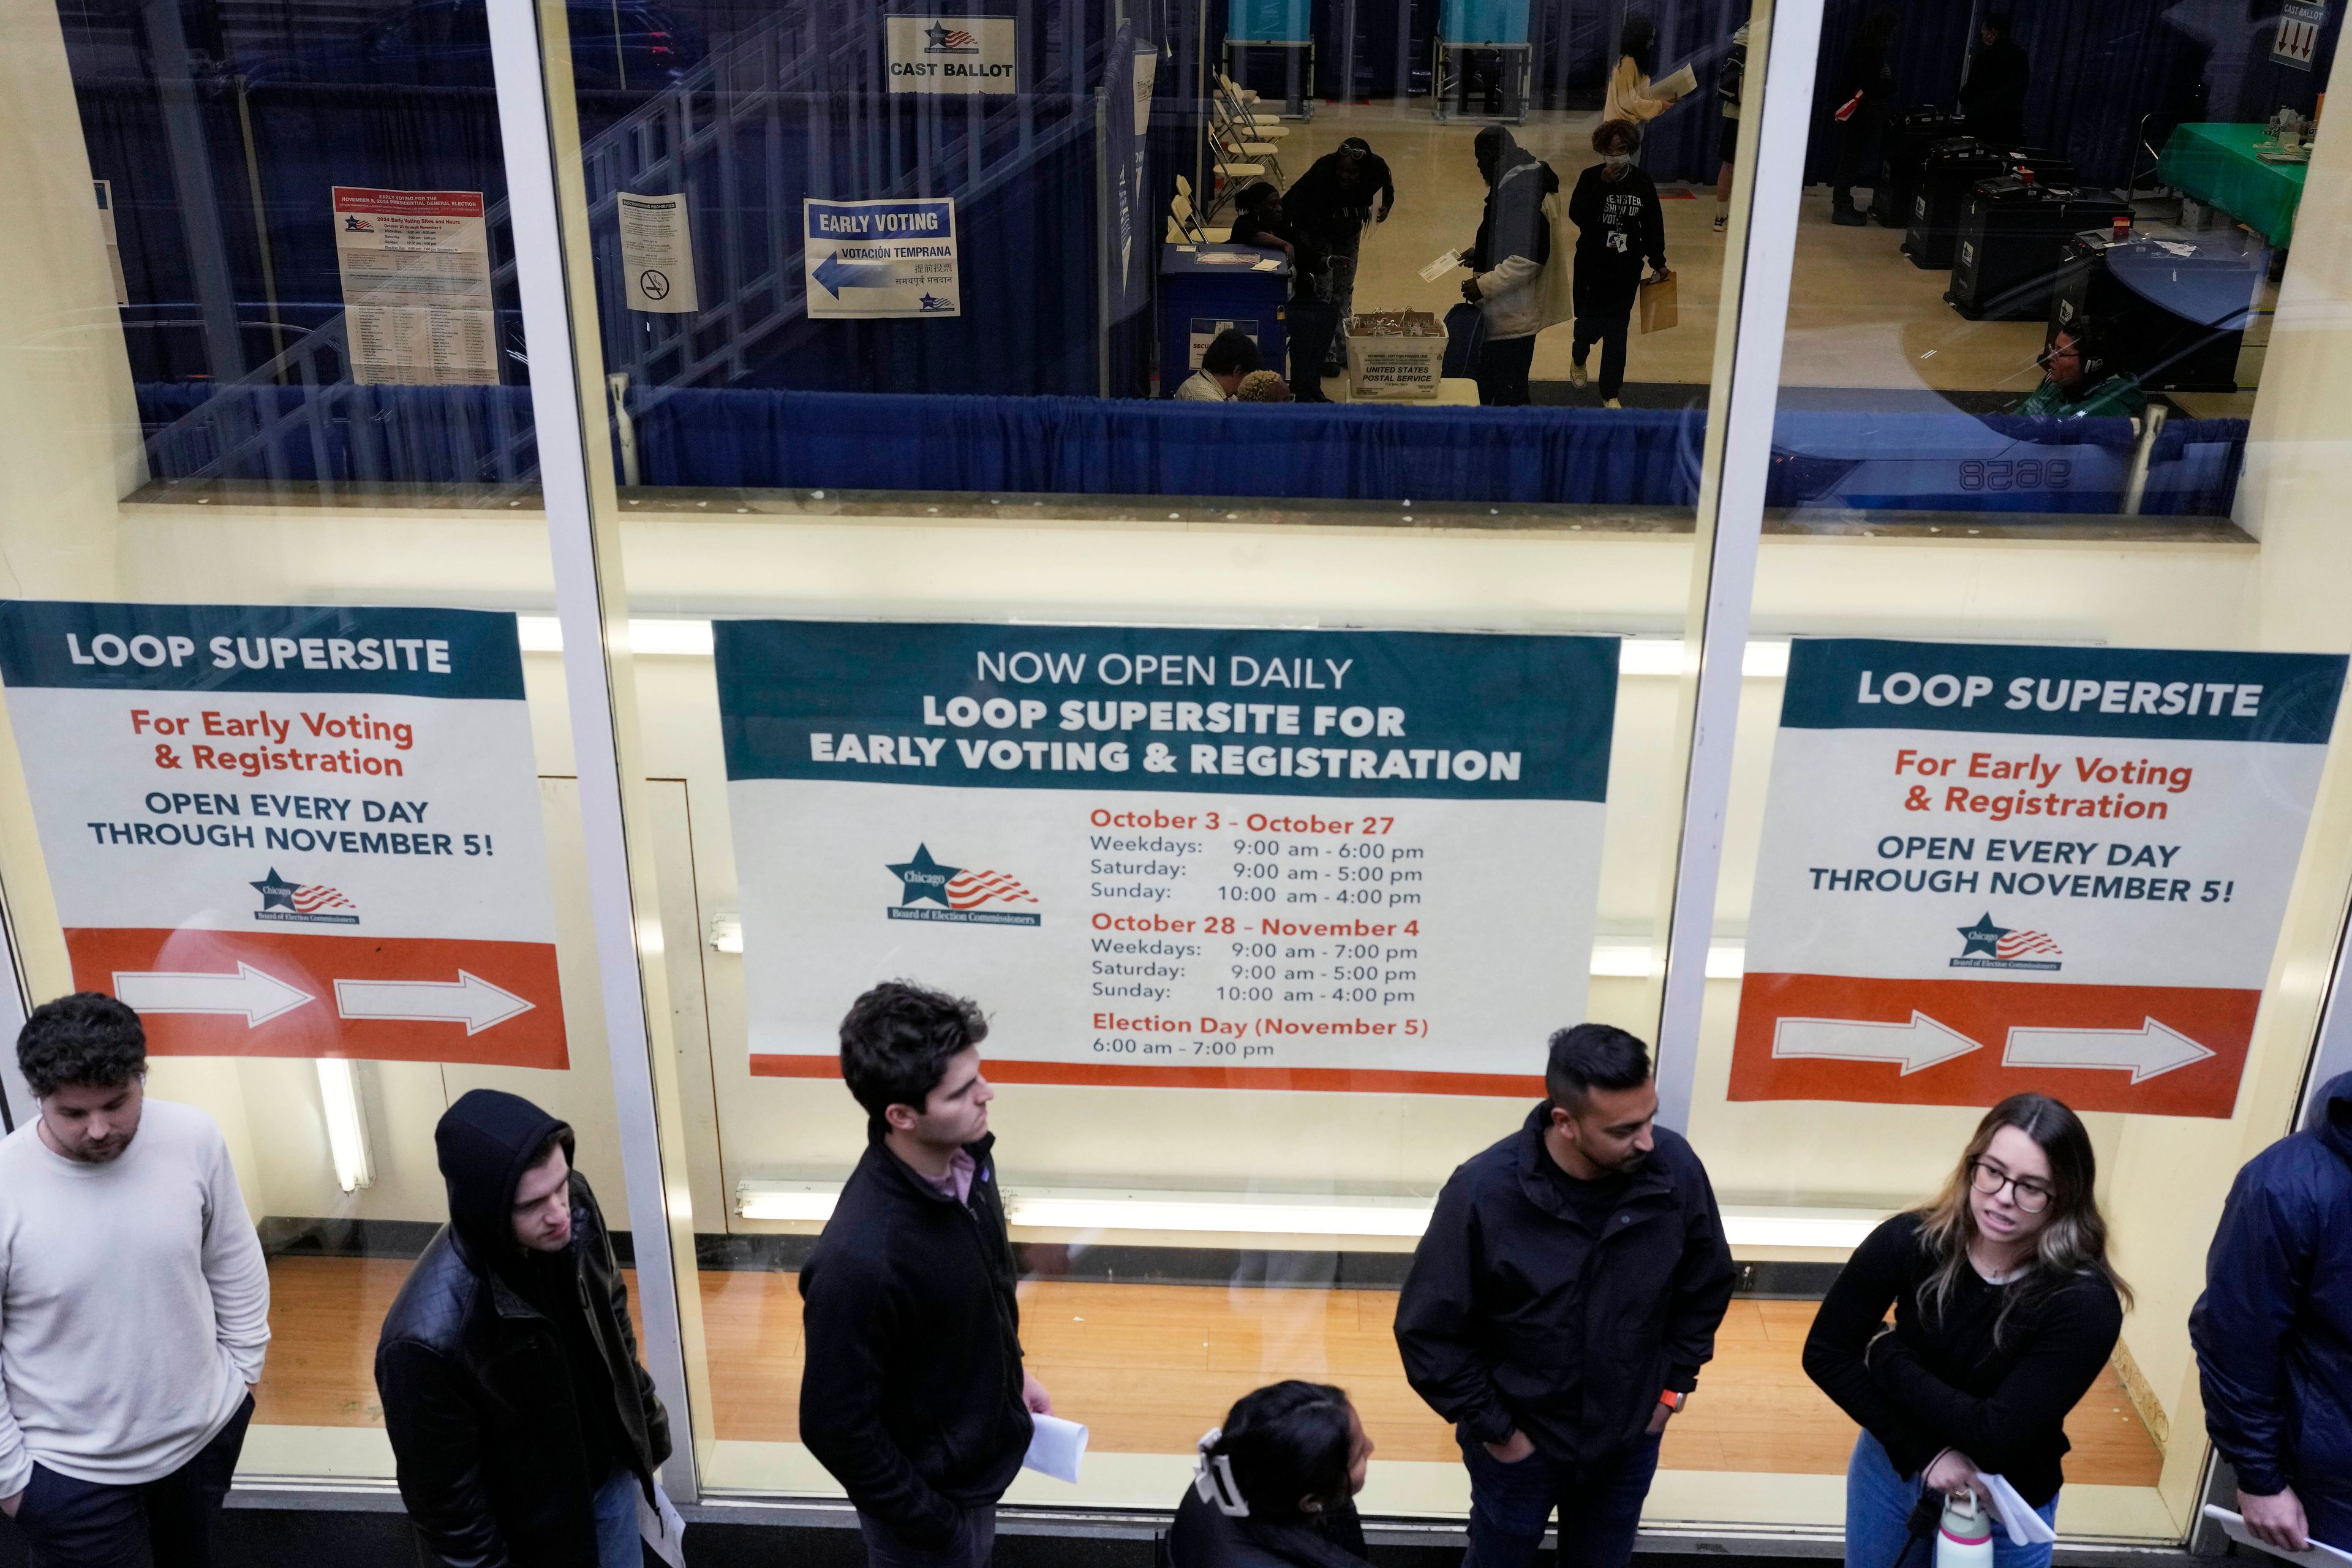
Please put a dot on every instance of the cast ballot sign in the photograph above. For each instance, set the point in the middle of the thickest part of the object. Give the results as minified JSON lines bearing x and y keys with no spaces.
{"x":866,"y":260}
{"x":955,"y":54}
{"x":1993,"y":869}
{"x":292,"y":831}
{"x":1245,"y":859}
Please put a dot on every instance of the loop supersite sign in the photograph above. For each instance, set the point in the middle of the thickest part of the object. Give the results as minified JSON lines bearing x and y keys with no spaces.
{"x":1989,"y":869}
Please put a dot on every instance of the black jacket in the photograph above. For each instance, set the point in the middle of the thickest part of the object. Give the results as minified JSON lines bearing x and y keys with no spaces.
{"x":1203,"y":1536}
{"x":485,"y":1415}
{"x":1486,"y":1320}
{"x":1993,"y":97}
{"x":1619,"y":225}
{"x":1331,"y":210}
{"x":1961,"y":1378}
{"x":2274,"y":1329}
{"x":910,"y":1391}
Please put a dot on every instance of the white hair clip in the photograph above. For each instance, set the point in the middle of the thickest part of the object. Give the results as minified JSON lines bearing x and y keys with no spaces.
{"x":1212,"y":1478}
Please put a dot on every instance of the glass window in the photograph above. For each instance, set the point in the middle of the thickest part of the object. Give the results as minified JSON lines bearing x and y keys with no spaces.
{"x":289,"y":765}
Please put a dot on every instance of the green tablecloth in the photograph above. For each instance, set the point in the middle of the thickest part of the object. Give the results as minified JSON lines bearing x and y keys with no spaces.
{"x":2216,"y":165}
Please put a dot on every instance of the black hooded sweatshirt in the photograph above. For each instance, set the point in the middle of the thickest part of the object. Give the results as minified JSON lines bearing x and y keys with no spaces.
{"x":509,"y":1379}
{"x":910,"y":1391}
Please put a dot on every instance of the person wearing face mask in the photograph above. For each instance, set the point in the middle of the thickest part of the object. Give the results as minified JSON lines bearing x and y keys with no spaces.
{"x":524,"y":1428}
{"x":1561,"y":1303}
{"x":1275,"y":1485}
{"x":1619,"y":225}
{"x":2005,"y":1310}
{"x":1513,"y":247}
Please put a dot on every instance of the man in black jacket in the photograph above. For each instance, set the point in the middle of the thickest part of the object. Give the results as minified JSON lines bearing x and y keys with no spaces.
{"x":1992,"y":99}
{"x":1560,"y":1305}
{"x":2274,"y":1332}
{"x":913,"y":1394}
{"x":524,"y":1428}
{"x":1339,"y":193}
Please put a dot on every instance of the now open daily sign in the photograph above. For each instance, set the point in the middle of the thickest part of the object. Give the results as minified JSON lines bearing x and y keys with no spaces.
{"x":292,"y":830}
{"x":1989,"y":869}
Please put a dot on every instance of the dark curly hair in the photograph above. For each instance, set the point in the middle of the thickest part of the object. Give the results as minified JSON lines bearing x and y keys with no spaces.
{"x":88,"y":1037}
{"x":897,"y":1039}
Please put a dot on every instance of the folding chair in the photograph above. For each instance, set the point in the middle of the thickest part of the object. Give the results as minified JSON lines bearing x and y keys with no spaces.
{"x":1245,"y":115}
{"x":1228,"y":138}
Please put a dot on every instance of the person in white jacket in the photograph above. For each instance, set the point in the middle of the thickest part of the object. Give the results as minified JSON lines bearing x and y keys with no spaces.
{"x":1513,"y":247}
{"x":135,"y":1304}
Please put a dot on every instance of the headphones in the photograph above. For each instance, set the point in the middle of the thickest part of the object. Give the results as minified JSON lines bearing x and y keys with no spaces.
{"x":2086,"y":346}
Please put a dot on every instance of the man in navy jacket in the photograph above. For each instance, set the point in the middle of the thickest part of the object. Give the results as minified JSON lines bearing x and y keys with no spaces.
{"x":1560,"y":1305}
{"x":2274,"y":1332}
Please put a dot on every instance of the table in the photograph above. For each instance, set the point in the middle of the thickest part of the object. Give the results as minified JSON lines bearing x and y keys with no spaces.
{"x":1205,"y":289}
{"x":2216,"y":165}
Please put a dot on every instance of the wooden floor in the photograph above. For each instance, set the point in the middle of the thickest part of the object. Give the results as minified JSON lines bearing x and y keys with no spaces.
{"x":1149,"y":1367}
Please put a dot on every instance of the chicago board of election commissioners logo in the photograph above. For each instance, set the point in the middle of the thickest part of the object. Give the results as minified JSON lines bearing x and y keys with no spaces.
{"x":931,"y":891}
{"x":1985,"y":946}
{"x":941,"y":39}
{"x":304,"y":904}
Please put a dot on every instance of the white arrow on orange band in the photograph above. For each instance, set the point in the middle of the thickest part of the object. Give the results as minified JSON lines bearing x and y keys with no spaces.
{"x":260,"y":997}
{"x":470,"y":1000}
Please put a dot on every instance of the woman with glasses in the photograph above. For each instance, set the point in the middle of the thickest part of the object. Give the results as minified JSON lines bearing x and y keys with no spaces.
{"x":2005,"y":1311}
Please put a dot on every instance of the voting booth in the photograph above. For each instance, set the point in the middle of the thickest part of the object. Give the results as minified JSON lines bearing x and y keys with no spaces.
{"x":1270,"y":51}
{"x":1483,"y":63}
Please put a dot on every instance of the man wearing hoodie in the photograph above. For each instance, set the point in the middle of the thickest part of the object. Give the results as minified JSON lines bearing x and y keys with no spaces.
{"x":1561,"y":1304}
{"x":912,"y":1390}
{"x":1510,"y":255}
{"x":2274,"y":1332}
{"x":524,"y":1429}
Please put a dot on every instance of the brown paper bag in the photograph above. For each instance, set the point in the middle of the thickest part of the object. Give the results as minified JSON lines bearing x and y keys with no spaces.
{"x":1660,"y":307}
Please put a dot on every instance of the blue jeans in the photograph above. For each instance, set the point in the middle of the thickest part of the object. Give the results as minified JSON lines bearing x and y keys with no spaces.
{"x":618,"y":1542}
{"x":1878,"y":1504}
{"x":1600,"y":1507}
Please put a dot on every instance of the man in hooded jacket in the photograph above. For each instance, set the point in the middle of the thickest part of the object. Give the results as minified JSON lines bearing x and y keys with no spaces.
{"x":524,"y":1428}
{"x":2274,"y":1332}
{"x":1508,"y":257}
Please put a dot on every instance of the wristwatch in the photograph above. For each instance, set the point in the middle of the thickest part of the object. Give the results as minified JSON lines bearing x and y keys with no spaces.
{"x":1673,"y":1400}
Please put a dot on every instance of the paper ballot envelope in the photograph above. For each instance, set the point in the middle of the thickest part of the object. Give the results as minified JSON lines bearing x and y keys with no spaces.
{"x":1056,"y":1448}
{"x":2025,"y":1527}
{"x":2318,"y":1555}
{"x":1682,"y":84}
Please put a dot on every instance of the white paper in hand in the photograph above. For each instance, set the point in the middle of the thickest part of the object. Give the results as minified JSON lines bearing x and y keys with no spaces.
{"x":2025,"y":1527}
{"x":1056,"y":1448}
{"x":1441,"y":267}
{"x":661,"y":1529}
{"x":1682,"y":84}
{"x":2319,"y":1554}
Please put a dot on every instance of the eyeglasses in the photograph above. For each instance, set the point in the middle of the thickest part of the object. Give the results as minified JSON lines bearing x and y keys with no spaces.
{"x":2031,"y":1197}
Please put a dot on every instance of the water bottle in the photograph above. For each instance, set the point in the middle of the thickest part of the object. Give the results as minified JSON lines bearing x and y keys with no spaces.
{"x":1965,"y":1538}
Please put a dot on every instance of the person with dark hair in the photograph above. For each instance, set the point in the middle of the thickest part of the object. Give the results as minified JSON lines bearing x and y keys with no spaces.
{"x":1513,"y":247}
{"x":2273,"y":1332}
{"x":523,"y":1427}
{"x":1992,"y":99}
{"x":2075,"y":382}
{"x":1314,"y":322}
{"x":1231,"y":355}
{"x":1274,"y":1486}
{"x":1561,"y":1303}
{"x":1619,"y":225}
{"x":913,"y":1394}
{"x":135,"y":1304}
{"x":1340,"y":195}
{"x":2005,"y":1310}
{"x":1631,"y":96}
{"x":1863,"y":96}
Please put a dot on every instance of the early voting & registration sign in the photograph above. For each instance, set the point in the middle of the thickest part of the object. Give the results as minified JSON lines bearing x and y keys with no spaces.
{"x":1988,"y":868}
{"x":870,"y":260}
{"x":292,"y":830}
{"x":1232,"y":859}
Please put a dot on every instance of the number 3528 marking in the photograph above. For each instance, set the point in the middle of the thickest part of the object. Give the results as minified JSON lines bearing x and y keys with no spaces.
{"x":2024,"y":474}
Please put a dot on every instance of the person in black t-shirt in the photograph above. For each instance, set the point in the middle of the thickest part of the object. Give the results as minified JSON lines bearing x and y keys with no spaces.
{"x":1560,"y":1305}
{"x":1618,"y":226}
{"x":2005,"y":1311}
{"x":1261,"y":221}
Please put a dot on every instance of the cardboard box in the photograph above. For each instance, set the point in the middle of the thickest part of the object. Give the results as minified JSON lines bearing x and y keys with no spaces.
{"x":1392,"y":365}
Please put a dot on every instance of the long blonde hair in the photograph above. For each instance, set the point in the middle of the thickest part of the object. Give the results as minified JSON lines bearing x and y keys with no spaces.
{"x":2073,"y":1240}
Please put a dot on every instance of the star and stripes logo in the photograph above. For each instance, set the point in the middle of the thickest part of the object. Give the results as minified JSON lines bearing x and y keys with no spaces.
{"x":930,"y":890}
{"x":1985,"y":946}
{"x":308,"y":904}
{"x":942,"y":39}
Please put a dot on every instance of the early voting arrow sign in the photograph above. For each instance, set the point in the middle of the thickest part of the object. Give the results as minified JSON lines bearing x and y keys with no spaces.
{"x":1988,"y":868}
{"x":871,"y":260}
{"x":293,"y":830}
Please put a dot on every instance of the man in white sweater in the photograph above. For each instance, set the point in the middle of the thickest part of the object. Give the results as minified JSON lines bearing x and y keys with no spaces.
{"x":134,"y":1305}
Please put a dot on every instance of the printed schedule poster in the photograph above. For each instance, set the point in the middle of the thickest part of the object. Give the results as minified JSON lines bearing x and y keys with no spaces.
{"x":1252,"y":859}
{"x":293,"y":830}
{"x":1989,"y":869}
{"x":415,"y":269}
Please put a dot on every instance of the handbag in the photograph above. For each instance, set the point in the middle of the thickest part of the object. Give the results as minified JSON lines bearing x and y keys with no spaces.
{"x":1661,"y":307}
{"x":1556,"y":284}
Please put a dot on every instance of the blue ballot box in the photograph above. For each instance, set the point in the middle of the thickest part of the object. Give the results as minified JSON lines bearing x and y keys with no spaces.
{"x":1205,"y":289}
